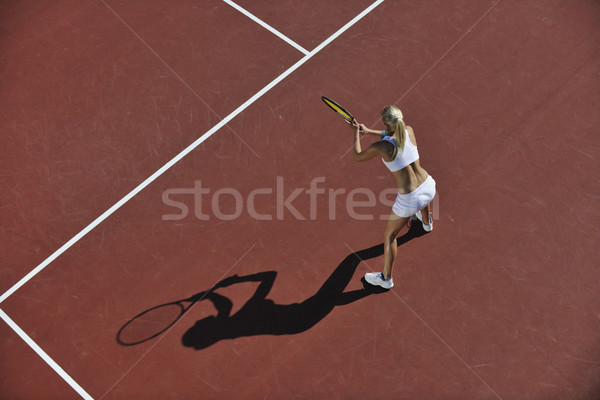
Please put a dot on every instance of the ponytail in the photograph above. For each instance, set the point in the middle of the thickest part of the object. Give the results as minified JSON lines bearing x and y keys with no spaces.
{"x":392,"y":117}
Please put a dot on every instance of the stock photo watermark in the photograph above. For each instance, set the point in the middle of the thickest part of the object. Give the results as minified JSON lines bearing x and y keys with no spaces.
{"x":279,"y":203}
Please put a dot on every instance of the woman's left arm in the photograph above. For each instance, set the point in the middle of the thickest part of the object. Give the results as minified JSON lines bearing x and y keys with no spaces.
{"x":359,"y":154}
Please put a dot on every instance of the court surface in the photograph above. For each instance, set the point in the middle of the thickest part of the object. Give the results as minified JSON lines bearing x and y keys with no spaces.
{"x":151,"y":150}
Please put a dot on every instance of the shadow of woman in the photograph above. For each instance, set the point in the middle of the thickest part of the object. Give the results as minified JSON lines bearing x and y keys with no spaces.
{"x":261,"y":316}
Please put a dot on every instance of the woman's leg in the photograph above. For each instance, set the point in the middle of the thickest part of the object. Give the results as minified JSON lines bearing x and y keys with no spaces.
{"x":390,"y":248}
{"x":429,"y":191}
{"x":426,"y":214}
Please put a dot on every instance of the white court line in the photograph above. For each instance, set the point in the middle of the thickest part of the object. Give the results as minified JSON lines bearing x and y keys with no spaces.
{"x":45,"y":356}
{"x":147,"y":182}
{"x":183,"y":82}
{"x":267,"y":27}
{"x":185,"y":152}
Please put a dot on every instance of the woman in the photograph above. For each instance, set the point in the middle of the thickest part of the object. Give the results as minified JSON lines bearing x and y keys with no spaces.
{"x":416,"y":189}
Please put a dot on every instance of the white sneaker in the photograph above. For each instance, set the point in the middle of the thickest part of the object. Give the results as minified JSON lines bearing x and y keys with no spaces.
{"x":428,"y":227}
{"x":376,"y":279}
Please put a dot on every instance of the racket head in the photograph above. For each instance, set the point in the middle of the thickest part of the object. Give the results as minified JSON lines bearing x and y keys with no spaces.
{"x":338,"y":109}
{"x":150,"y":323}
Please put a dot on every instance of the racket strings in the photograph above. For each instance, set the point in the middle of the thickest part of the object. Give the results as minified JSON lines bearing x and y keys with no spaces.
{"x":156,"y":320}
{"x":151,"y":323}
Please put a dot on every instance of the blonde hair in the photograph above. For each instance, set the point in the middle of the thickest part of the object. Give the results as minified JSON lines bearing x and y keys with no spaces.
{"x":392,"y":117}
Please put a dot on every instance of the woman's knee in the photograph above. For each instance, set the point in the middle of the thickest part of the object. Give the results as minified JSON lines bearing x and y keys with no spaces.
{"x":393,"y":228}
{"x":391,"y":234}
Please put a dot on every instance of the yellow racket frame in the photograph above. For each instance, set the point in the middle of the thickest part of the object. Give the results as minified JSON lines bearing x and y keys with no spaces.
{"x":337,"y":108}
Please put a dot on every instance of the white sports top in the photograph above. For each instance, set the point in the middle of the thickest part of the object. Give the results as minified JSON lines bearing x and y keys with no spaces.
{"x":407,"y":157}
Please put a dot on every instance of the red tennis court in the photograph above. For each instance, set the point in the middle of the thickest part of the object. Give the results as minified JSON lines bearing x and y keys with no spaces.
{"x":153,"y":151}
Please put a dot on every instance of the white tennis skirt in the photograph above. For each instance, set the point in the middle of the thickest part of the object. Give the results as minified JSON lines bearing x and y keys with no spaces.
{"x":408,"y":204}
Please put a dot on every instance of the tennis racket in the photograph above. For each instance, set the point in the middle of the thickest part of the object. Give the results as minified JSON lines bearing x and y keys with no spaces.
{"x":338,"y":109}
{"x":156,"y":320}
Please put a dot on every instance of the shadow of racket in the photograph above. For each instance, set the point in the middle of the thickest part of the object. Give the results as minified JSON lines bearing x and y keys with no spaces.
{"x":153,"y":322}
